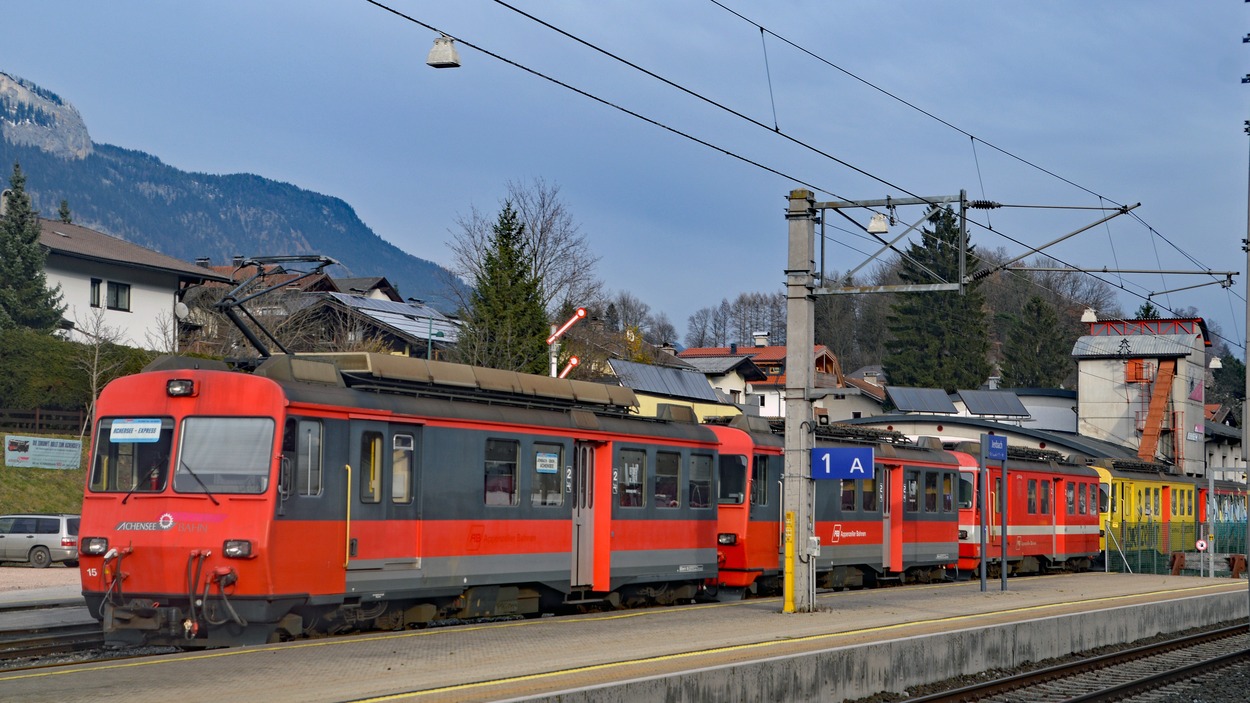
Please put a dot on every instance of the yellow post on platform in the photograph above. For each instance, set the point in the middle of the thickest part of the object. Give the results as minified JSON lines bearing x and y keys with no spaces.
{"x":788,"y":585}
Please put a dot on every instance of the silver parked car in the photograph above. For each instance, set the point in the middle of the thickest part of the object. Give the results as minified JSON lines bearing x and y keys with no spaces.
{"x":39,"y":539}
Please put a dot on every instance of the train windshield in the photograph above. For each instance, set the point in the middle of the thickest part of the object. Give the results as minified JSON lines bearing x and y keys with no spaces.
{"x":131,"y":455}
{"x":224,"y":455}
{"x":733,"y":479}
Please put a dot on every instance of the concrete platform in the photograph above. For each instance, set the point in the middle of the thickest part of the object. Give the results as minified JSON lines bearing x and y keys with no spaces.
{"x":859,"y":643}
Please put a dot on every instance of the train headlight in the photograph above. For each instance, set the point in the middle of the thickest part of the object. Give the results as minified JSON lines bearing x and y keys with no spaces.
{"x":95,"y":546}
{"x":180,"y":386}
{"x":963,"y":534}
{"x":727,"y":538}
{"x":237,"y":549}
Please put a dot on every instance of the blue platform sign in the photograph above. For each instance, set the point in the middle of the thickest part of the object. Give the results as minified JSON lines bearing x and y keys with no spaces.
{"x":850,"y":462}
{"x":996,"y":447}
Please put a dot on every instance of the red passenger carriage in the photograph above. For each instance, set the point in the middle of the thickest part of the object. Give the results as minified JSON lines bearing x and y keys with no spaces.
{"x":1052,"y":512}
{"x":380,"y":492}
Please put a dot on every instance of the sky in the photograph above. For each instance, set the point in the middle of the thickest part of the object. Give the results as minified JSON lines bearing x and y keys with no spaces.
{"x":681,"y":191}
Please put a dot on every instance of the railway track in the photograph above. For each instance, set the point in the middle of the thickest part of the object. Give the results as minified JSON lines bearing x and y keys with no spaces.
{"x":1137,"y":674}
{"x":22,"y":645}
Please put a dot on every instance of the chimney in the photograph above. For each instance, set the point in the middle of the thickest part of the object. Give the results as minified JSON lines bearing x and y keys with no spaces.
{"x":238,"y":260}
{"x":733,"y":348}
{"x":4,"y":201}
{"x":204,"y":262}
{"x":761,"y":338}
{"x":671,"y":350}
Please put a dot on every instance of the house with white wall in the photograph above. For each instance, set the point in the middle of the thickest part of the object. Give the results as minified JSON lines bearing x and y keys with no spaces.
{"x":1142,"y":385}
{"x":111,"y":286}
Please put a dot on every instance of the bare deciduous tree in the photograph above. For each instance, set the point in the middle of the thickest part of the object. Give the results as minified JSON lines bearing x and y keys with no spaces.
{"x":95,"y":358}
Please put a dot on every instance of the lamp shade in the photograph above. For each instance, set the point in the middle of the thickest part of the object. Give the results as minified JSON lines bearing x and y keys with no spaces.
{"x":443,"y":54}
{"x":878,"y":224}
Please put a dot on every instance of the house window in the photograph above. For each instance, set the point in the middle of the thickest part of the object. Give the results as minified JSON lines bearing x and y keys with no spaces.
{"x":1138,"y":371}
{"x":118,"y":296}
{"x":95,"y":292}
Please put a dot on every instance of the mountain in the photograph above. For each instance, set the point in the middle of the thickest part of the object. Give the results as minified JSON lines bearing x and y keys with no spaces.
{"x":136,"y":197}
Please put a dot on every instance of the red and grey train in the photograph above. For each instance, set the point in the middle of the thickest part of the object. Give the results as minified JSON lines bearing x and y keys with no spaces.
{"x":328,"y":493}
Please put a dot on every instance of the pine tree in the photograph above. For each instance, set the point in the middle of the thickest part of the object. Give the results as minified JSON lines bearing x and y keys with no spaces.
{"x":64,"y":214}
{"x":1036,"y":353}
{"x":937,"y":339}
{"x":25,"y":300}
{"x":1147,"y":311}
{"x":506,"y":326}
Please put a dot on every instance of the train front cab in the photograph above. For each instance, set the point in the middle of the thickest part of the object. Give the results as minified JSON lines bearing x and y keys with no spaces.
{"x":749,"y":510}
{"x":177,"y":508}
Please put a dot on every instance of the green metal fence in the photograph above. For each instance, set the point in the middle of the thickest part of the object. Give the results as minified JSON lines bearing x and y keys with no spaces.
{"x":1147,"y":547}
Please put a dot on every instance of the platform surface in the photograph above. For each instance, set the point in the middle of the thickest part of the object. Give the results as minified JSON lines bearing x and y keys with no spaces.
{"x":541,"y":657}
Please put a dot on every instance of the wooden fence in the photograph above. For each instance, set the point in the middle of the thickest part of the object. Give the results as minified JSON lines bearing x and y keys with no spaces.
{"x":42,"y":421}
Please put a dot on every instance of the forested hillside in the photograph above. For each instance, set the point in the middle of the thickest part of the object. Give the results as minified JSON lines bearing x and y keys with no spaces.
{"x":135,"y":196}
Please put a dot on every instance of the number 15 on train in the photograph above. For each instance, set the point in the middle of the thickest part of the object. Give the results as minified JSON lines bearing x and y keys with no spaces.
{"x":842,"y":462}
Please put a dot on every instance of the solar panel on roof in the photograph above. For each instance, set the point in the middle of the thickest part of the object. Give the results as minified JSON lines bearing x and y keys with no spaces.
{"x":921,"y":400}
{"x":677,"y":383}
{"x":999,"y":403}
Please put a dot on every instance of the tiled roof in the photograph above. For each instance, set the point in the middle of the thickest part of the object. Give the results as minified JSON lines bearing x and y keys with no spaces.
{"x":78,"y":242}
{"x":868,"y":388}
{"x":756,"y":354}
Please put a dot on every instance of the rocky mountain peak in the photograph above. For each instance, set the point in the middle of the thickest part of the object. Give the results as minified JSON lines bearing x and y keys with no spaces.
{"x":32,"y":116}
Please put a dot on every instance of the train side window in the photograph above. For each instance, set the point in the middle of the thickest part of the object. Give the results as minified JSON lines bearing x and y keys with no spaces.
{"x":1044,"y":502}
{"x":848,"y":495}
{"x":1106,"y":498}
{"x":869,"y":498}
{"x":1157,"y":493}
{"x":1082,"y":505}
{"x":632,"y":477}
{"x":1141,"y":504}
{"x":1070,"y":492}
{"x":967,"y":491}
{"x":760,"y":479}
{"x":546,"y":489}
{"x":1191,"y":503}
{"x":401,"y":468}
{"x":307,"y":450}
{"x":700,"y":480}
{"x":733,"y":479}
{"x":370,"y":467}
{"x":930,"y":492}
{"x":667,"y":479}
{"x":948,"y":492}
{"x":911,"y":501}
{"x":1178,"y":501}
{"x":502,"y":457}
{"x":1032,"y":496}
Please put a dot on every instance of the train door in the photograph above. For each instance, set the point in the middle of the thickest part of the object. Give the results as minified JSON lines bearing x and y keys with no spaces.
{"x":366,"y":503}
{"x":893,"y":514}
{"x":582,"y":488}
